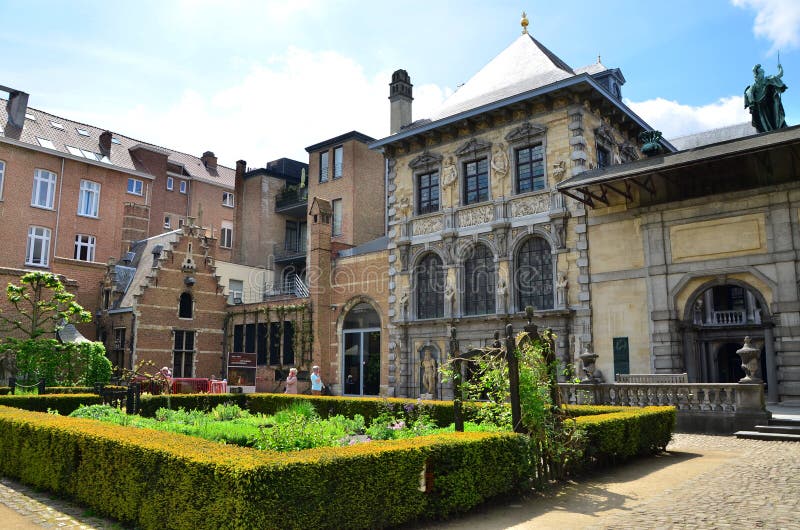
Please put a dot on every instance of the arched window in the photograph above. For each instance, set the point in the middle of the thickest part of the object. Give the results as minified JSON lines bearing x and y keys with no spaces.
{"x":533,"y":275}
{"x":430,"y":287}
{"x":479,"y":295}
{"x":361,"y":367}
{"x":185,"y":306}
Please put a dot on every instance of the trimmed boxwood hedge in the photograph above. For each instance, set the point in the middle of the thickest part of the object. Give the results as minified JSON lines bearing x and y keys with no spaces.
{"x":162,"y":480}
{"x":63,"y":403}
{"x":149,"y":404}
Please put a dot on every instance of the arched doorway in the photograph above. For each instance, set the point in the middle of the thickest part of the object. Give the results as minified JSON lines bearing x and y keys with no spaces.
{"x":717,"y":318}
{"x":361,"y":344}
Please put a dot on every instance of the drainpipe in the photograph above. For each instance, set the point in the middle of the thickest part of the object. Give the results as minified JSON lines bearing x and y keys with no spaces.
{"x":133,"y":340}
{"x":224,"y":368}
{"x":58,"y":210}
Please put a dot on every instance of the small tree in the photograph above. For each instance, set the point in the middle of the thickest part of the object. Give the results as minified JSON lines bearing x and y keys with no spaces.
{"x":42,"y":306}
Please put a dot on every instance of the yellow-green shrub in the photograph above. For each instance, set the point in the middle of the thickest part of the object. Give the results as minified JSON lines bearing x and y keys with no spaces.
{"x":63,"y":403}
{"x":149,"y":404}
{"x":161,"y":480}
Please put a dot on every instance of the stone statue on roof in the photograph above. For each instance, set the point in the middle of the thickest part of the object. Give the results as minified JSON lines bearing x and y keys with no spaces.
{"x":763,"y":98}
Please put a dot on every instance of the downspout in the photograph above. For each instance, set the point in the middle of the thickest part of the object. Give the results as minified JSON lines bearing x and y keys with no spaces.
{"x":58,"y":209}
{"x":133,"y":340}
{"x":223,"y":369}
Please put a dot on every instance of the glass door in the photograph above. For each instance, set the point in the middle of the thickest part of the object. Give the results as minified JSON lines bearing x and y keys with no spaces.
{"x":362,"y":362}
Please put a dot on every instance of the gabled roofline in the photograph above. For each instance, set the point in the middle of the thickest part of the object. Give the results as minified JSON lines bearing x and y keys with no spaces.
{"x":69,"y":156}
{"x":552,"y":87}
{"x":352,"y":135}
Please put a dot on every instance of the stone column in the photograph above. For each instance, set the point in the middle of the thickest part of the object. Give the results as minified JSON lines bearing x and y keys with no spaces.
{"x":772,"y":365}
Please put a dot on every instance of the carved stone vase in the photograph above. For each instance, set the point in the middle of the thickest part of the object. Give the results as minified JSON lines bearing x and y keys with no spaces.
{"x":588,"y":360}
{"x":751,"y":362}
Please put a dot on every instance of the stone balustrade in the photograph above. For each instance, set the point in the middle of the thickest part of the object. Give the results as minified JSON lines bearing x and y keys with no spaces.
{"x":720,"y":408}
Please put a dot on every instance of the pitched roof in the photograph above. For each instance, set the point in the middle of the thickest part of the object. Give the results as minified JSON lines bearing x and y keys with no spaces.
{"x":721,"y":134}
{"x":143,"y":261}
{"x":525,"y":65}
{"x":63,"y":133}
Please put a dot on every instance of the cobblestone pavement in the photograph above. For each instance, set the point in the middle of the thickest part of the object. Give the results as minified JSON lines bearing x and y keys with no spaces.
{"x":702,"y":482}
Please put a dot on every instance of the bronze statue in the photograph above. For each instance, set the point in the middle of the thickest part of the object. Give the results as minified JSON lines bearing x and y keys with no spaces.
{"x":763,"y":98}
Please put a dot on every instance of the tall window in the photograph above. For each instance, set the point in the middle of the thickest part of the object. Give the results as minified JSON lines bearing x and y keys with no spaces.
{"x":89,"y":199}
{"x":84,"y":247}
{"x":185,"y":306}
{"x":235,"y":291}
{"x":183,"y":354}
{"x":337,"y":216}
{"x":117,"y":356}
{"x":38,"y":250}
{"x":603,"y":157}
{"x":2,"y":177}
{"x":430,"y":280}
{"x":479,"y":282}
{"x":534,"y":275}
{"x":428,"y":192}
{"x":135,"y":186}
{"x":338,"y":160}
{"x":44,"y":188}
{"x":226,"y":235}
{"x":323,"y":166}
{"x":530,"y":169}
{"x":476,"y":181}
{"x":170,"y":183}
{"x":227,"y":199}
{"x":182,"y":186}
{"x":167,"y":221}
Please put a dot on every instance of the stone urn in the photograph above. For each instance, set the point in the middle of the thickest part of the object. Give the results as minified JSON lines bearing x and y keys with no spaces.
{"x":590,"y":372}
{"x":751,"y":362}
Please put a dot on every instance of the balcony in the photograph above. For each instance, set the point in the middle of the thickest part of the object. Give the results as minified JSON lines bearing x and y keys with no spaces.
{"x":293,"y":252}
{"x":292,"y":201}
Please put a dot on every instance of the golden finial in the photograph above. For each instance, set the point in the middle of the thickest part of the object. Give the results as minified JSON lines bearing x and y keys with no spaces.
{"x":524,"y":23}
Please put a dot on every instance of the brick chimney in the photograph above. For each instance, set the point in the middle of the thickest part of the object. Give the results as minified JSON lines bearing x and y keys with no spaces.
{"x":238,"y":213}
{"x":105,"y":143}
{"x":17,"y":106}
{"x":400,"y":101}
{"x":209,"y":160}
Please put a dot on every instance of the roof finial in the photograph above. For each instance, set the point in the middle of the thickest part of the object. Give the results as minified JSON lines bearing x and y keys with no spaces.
{"x":598,"y":58}
{"x":524,"y":23}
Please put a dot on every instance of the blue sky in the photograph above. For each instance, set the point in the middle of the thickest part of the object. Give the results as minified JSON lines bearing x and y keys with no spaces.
{"x":261,"y":80}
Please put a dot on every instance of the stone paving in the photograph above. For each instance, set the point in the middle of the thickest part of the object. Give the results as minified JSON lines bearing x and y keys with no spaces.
{"x":703,"y":482}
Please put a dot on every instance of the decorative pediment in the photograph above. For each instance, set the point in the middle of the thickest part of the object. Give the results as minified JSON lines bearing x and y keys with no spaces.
{"x":526,"y":133}
{"x":628,"y":152}
{"x":426,"y":161}
{"x":473,"y":148}
{"x":605,"y":135}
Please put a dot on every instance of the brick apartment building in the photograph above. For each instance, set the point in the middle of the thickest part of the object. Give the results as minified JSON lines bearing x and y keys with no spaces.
{"x":74,"y":195}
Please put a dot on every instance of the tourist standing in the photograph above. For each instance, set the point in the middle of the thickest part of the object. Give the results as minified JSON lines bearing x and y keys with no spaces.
{"x":291,"y":381}
{"x":316,"y":382}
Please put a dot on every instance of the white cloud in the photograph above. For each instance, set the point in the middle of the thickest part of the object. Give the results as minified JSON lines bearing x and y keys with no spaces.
{"x":282,"y":105}
{"x":776,"y":20}
{"x":674,"y":119}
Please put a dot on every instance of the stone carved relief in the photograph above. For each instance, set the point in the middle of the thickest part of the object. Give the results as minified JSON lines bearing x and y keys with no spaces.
{"x":472,"y":148}
{"x":530,"y":205}
{"x":450,"y":178}
{"x":425,"y":161}
{"x":404,"y":207}
{"x":605,"y":135}
{"x":403,"y":251}
{"x":475,"y":216}
{"x":526,"y":132}
{"x":559,"y":169}
{"x":427,"y":225}
{"x":628,"y":152}
{"x":500,"y":166}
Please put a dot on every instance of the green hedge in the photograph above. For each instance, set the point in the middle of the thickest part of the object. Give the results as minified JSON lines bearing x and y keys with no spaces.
{"x":634,"y":431}
{"x":5,"y":390}
{"x":149,"y":404}
{"x":161,"y":480}
{"x":69,"y":390}
{"x":63,"y":403}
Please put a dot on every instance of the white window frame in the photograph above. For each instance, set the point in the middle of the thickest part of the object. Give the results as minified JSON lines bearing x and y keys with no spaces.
{"x":227,"y":199}
{"x":233,"y":294}
{"x":41,"y":235}
{"x":89,"y":199}
{"x":43,"y":177}
{"x":135,"y":182}
{"x":85,"y":241}
{"x":338,"y":161}
{"x":323,"y":166}
{"x":226,"y":236}
{"x":183,"y":186}
{"x":170,"y":183}
{"x":2,"y":177}
{"x":334,"y":203}
{"x":167,"y":221}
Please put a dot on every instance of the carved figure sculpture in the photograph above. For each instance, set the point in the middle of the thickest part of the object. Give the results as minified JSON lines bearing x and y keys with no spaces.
{"x":502,"y":292}
{"x":763,"y":99}
{"x":561,"y":290}
{"x":500,"y":166}
{"x":559,"y":169}
{"x":404,"y":304}
{"x":449,"y":178}
{"x":429,"y":373}
{"x":450,"y":294}
{"x":404,"y":207}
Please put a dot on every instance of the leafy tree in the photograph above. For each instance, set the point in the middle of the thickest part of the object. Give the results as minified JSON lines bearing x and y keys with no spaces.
{"x":42,"y":306}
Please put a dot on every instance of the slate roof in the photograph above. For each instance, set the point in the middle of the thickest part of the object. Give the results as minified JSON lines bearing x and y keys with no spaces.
{"x":143,"y":262}
{"x":41,"y":126}
{"x":525,"y":65}
{"x":722,"y":134}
